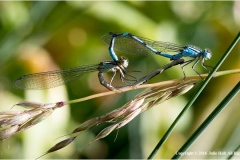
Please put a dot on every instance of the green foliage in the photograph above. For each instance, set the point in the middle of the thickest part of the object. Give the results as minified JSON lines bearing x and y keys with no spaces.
{"x":41,"y":36}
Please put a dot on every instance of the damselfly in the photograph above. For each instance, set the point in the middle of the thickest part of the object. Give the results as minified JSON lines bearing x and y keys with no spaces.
{"x":44,"y":80}
{"x":128,"y":43}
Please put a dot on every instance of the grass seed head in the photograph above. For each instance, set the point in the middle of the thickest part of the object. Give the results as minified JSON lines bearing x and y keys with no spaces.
{"x":134,"y":104}
{"x":128,"y":118}
{"x":35,"y":120}
{"x":8,"y":132}
{"x":87,"y":124}
{"x":117,"y":113}
{"x":29,"y":105}
{"x":182,"y":90}
{"x":59,"y":145}
{"x":11,"y":113}
{"x":35,"y":105}
{"x":105,"y":132}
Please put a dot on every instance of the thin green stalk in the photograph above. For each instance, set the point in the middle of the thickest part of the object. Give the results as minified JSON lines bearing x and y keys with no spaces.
{"x":189,"y":104}
{"x":208,"y":120}
{"x":238,"y":147}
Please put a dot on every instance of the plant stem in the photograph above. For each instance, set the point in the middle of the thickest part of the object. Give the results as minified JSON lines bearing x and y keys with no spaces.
{"x":189,"y":104}
{"x":208,"y":120}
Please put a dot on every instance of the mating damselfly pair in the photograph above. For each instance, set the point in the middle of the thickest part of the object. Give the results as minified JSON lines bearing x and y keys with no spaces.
{"x":124,"y":42}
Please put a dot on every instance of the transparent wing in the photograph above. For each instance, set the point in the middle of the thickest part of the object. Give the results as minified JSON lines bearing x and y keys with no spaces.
{"x":44,"y":80}
{"x":166,"y":46}
{"x":129,"y":45}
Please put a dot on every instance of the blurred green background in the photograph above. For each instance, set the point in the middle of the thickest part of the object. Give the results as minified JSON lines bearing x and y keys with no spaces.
{"x":42,"y":36}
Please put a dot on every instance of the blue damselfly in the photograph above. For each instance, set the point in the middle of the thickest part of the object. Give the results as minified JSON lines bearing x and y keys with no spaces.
{"x":128,"y":43}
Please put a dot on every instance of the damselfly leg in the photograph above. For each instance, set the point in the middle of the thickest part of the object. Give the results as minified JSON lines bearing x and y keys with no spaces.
{"x":205,"y":66}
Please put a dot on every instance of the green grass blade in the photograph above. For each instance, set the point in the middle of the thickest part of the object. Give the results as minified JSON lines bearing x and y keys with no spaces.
{"x":238,"y":147}
{"x":208,"y":120}
{"x":189,"y":104}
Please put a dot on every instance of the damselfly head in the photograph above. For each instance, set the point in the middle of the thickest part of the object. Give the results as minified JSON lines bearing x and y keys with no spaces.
{"x":207,"y":54}
{"x":124,"y":62}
